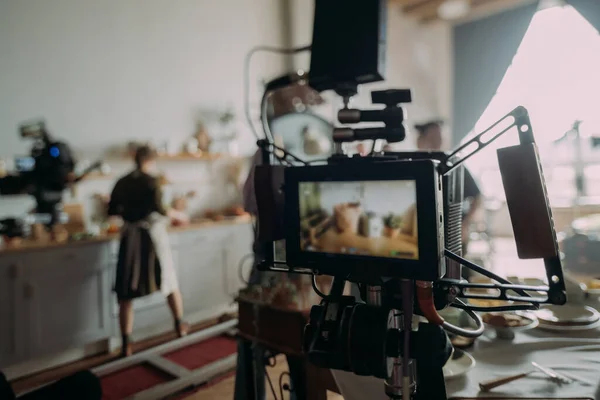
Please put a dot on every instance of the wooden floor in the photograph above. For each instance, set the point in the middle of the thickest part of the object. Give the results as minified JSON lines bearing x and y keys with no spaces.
{"x":224,"y":389}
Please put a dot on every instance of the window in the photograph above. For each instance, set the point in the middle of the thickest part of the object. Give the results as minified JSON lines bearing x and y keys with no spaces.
{"x":555,"y":74}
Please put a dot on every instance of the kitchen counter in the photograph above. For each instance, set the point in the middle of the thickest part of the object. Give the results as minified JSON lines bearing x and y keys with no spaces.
{"x":208,"y":223}
{"x":28,"y":245}
{"x":57,"y":300}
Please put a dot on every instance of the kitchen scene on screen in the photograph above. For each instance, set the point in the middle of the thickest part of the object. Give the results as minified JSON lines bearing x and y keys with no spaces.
{"x":363,"y":218}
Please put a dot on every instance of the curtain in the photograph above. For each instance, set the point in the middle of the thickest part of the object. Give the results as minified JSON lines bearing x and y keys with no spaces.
{"x":483,"y":51}
{"x":590,"y":9}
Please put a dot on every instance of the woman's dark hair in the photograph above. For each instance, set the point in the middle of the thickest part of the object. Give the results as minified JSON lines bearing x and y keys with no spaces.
{"x":422,"y":128}
{"x":144,"y":153}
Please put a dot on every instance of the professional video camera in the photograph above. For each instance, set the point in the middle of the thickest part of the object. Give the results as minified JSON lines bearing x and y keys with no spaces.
{"x":45,"y":176}
{"x":326,"y":214}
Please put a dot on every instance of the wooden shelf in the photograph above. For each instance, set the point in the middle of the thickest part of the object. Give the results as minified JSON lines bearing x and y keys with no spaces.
{"x":194,"y":157}
{"x":94,"y":176}
{"x":207,"y":157}
{"x":427,"y":10}
{"x":174,"y":157}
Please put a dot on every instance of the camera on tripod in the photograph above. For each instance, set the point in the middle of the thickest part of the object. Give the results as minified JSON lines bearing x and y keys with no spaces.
{"x":390,"y":222}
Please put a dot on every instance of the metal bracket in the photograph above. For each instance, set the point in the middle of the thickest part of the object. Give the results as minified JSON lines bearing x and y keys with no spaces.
{"x":518,"y":118}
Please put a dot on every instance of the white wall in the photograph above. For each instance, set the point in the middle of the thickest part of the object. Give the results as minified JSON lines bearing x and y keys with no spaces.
{"x":418,"y":57}
{"x":104,"y":72}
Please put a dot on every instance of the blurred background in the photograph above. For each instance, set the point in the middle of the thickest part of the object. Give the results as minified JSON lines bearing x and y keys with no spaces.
{"x":108,"y":76}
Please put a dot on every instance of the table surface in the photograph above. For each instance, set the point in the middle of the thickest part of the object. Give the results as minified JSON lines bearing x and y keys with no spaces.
{"x":573,"y":353}
{"x":29,"y":245}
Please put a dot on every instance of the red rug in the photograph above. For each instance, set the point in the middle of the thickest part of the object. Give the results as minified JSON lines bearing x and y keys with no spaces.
{"x":200,"y":354}
{"x":129,"y":381}
{"x":211,"y":383}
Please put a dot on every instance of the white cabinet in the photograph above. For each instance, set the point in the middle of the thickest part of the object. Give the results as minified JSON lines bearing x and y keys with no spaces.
{"x":61,"y":298}
{"x":12,"y":346}
{"x":53,"y":300}
{"x":65,"y":296}
{"x":202,"y":262}
{"x":239,"y":255}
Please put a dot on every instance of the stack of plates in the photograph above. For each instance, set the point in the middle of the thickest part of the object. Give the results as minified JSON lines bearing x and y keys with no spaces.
{"x":570,"y":317}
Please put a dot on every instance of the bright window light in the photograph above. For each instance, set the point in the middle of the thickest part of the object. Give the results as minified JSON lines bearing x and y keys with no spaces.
{"x":555,"y":74}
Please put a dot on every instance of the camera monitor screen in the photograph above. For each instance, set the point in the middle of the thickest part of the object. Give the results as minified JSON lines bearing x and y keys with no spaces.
{"x":361,"y":218}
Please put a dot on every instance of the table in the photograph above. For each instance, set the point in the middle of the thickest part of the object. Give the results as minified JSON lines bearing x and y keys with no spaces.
{"x":576,"y":353}
{"x":263,"y":327}
{"x":280,"y":330}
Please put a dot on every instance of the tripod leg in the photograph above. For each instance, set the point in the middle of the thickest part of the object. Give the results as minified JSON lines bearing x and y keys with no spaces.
{"x":297,"y":369}
{"x":250,"y":377}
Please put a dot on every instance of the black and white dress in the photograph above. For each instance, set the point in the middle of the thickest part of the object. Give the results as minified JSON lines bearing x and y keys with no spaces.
{"x":145,"y":263}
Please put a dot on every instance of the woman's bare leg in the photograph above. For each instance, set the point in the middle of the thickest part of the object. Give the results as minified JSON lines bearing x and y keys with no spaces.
{"x":126,"y":323}
{"x":176,"y":306}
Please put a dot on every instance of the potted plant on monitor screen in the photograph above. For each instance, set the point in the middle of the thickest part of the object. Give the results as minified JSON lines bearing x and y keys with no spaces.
{"x":392,"y":225}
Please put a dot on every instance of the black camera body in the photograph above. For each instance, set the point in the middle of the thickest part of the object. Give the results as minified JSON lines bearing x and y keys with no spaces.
{"x":46,"y":177}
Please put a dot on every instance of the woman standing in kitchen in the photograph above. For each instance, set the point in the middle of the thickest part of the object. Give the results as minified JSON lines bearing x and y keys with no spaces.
{"x":145,"y":263}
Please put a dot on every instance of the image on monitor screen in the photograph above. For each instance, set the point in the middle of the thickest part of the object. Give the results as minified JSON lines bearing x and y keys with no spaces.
{"x":364,"y":218}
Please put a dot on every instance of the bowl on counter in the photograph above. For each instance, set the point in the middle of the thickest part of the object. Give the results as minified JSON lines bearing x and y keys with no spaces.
{"x":506,"y":324}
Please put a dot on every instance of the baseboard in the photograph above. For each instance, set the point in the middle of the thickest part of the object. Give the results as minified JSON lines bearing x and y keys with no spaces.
{"x":110,"y":344}
{"x":54,"y":360}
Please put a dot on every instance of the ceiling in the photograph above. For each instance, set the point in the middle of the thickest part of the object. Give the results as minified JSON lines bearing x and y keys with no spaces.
{"x":427,"y":10}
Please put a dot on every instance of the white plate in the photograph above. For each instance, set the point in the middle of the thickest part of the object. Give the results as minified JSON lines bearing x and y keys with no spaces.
{"x":460,"y":366}
{"x":592,"y":292}
{"x":568,"y":328}
{"x":508,"y":332}
{"x":579,"y":315}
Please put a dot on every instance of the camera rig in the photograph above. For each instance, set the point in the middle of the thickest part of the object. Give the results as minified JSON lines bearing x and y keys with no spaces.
{"x":50,"y":173}
{"x":392,"y":329}
{"x":375,"y":334}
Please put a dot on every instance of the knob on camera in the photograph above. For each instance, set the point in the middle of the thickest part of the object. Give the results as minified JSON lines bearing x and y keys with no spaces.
{"x":392,"y":116}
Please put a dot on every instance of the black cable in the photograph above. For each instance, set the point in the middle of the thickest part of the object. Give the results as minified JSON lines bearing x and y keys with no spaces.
{"x":512,"y":307}
{"x":316,"y":288}
{"x":247,"y":60}
{"x":271,"y":384}
{"x":281,"y":160}
{"x":482,"y":271}
{"x":457,"y":330}
{"x":372,"y":153}
{"x":285,"y":153}
{"x":282,"y":387}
